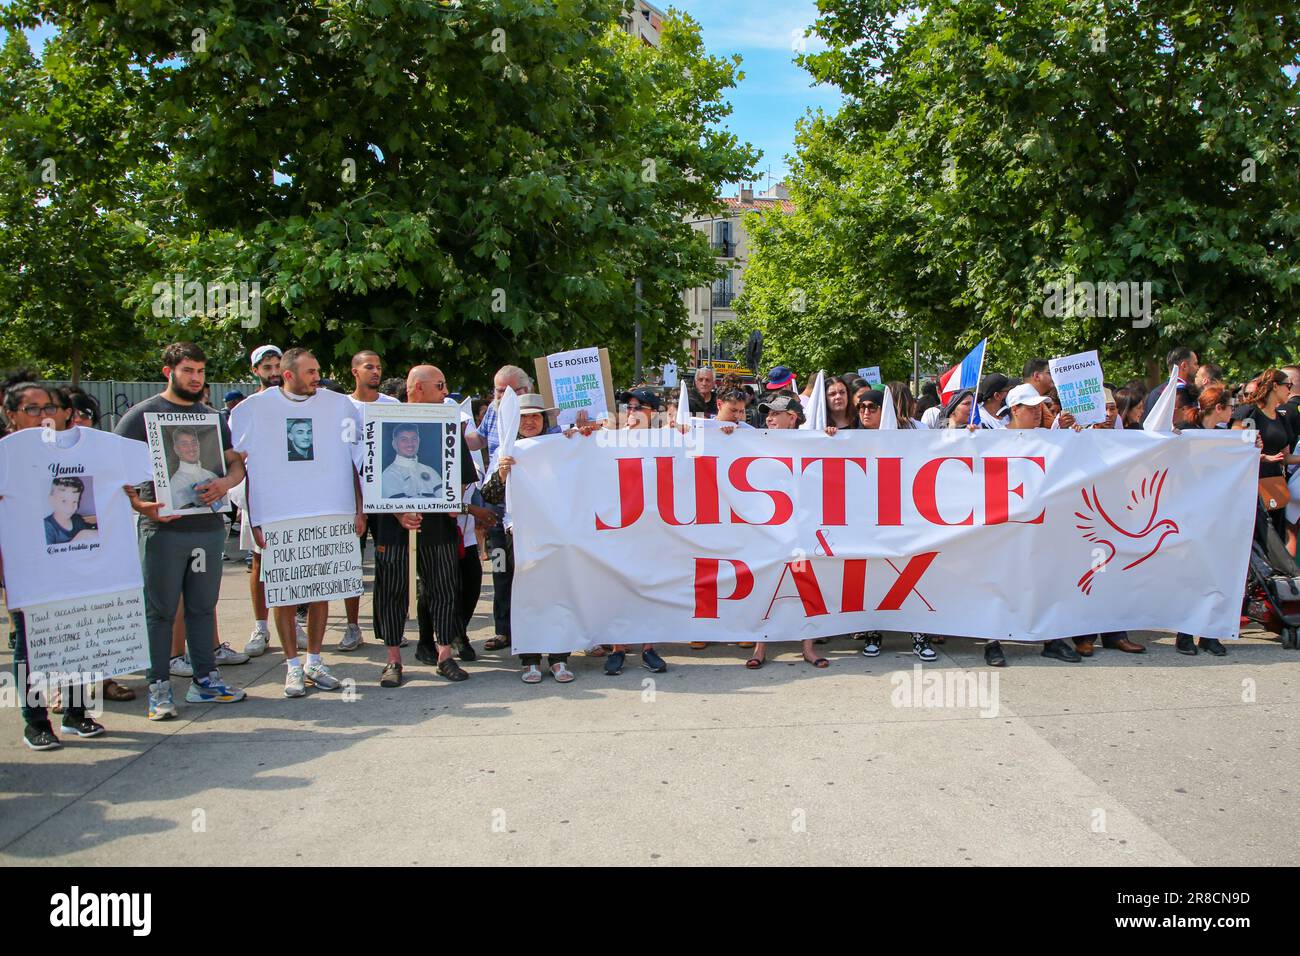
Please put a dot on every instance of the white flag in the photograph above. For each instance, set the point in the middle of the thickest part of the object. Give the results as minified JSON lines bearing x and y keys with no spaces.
{"x":815,"y":411}
{"x":888,"y":417}
{"x":1161,"y":418}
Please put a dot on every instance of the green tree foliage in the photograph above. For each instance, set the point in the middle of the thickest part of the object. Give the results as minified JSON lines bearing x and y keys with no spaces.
{"x":985,"y":150}
{"x":69,"y":208}
{"x":466,"y":184}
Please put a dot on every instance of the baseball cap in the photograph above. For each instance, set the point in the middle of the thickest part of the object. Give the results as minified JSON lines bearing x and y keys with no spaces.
{"x":992,"y":383}
{"x":779,"y":377}
{"x":781,"y":403}
{"x":643,"y":396}
{"x":234,"y":395}
{"x":262,"y":351}
{"x":1024,"y":395}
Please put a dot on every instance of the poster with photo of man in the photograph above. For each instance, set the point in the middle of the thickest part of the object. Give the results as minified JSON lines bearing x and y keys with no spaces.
{"x":187,"y":453}
{"x":408,"y":452}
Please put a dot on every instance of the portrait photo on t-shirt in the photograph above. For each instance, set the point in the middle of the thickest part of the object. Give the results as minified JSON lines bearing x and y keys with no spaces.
{"x":411,"y":459}
{"x":70,"y":517}
{"x":194,"y":457}
{"x":299,"y":438}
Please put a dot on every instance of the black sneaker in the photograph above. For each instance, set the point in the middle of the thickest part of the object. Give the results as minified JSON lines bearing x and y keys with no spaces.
{"x":1185,"y":644}
{"x":40,"y":737}
{"x":424,"y":657}
{"x":1061,"y":650}
{"x":465,"y":651}
{"x":652,"y":661}
{"x":1212,"y":646}
{"x":993,"y":655}
{"x":872,"y":646}
{"x":922,"y":649}
{"x":82,"y":726}
{"x":614,"y":663}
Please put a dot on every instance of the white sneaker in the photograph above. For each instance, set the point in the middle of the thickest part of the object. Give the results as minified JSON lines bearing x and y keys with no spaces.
{"x":181,"y":667}
{"x":318,"y":675}
{"x":351,"y":638}
{"x":257,"y":642}
{"x":293,"y":682}
{"x":302,"y":636}
{"x":161,"y":704}
{"x":225,"y":654}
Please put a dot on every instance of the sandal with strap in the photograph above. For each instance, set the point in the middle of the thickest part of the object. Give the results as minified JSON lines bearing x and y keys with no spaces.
{"x":496,"y":643}
{"x":451,"y":670}
{"x":115,"y":691}
{"x":561,"y":672}
{"x":532,"y":674}
{"x":818,"y":662}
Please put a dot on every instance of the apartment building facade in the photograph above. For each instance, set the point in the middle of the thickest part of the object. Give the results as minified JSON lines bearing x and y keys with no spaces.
{"x":710,"y":307}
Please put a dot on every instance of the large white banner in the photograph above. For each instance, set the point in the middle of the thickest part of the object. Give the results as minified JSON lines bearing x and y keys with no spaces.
{"x":771,"y":535}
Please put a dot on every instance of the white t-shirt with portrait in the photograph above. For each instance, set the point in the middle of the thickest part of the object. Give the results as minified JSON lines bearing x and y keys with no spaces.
{"x":67,"y":529}
{"x":302,"y":454}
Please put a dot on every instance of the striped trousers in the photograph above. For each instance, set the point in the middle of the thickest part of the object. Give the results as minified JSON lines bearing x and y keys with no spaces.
{"x":438,"y":585}
{"x":391,"y":593}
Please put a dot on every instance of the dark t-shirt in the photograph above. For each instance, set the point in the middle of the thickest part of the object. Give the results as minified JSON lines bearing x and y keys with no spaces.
{"x":1277,"y":435}
{"x":699,"y":406}
{"x":131,"y":425}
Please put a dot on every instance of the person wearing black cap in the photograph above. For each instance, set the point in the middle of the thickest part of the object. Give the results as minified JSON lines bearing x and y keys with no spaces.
{"x":642,"y":403}
{"x":870,"y":403}
{"x":992,"y":398}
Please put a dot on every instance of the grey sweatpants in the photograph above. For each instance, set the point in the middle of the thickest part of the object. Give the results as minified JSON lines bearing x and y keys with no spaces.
{"x":176,"y":564}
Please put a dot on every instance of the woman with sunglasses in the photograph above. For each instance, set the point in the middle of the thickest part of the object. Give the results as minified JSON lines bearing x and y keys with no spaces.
{"x":1271,"y":389}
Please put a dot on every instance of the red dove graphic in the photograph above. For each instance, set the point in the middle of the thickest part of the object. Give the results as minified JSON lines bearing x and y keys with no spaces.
{"x":1152,"y":534}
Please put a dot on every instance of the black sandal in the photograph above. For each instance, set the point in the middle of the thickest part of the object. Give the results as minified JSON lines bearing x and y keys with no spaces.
{"x":819,"y":662}
{"x":451,"y":670}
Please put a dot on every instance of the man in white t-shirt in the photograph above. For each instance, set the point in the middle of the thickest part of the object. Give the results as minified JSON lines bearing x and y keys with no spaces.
{"x":368,"y":373}
{"x":281,"y":487}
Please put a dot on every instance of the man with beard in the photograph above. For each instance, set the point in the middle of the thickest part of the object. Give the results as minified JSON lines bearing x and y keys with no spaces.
{"x":265,"y":361}
{"x":368,"y":373}
{"x":168,"y":546}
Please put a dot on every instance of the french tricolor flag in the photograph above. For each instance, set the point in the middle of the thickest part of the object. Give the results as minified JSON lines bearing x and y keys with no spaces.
{"x":965,"y":374}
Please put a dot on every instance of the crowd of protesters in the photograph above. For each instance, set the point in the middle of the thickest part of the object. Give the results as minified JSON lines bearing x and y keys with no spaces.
{"x":450,"y":550}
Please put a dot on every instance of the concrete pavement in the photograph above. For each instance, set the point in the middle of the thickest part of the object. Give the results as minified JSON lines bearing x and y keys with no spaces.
{"x":1159,"y":759}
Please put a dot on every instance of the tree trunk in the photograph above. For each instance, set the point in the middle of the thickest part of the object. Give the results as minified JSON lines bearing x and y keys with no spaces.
{"x":76,"y":360}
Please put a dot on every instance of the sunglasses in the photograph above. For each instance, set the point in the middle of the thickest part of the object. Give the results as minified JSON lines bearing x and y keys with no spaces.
{"x":34,"y":410}
{"x":870,"y":406}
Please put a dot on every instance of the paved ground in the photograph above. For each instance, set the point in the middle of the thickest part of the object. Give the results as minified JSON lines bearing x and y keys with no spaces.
{"x":1120,"y":760}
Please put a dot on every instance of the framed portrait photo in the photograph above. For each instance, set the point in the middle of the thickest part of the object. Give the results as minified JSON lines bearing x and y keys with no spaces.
{"x":187,"y":453}
{"x":410,"y":458}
